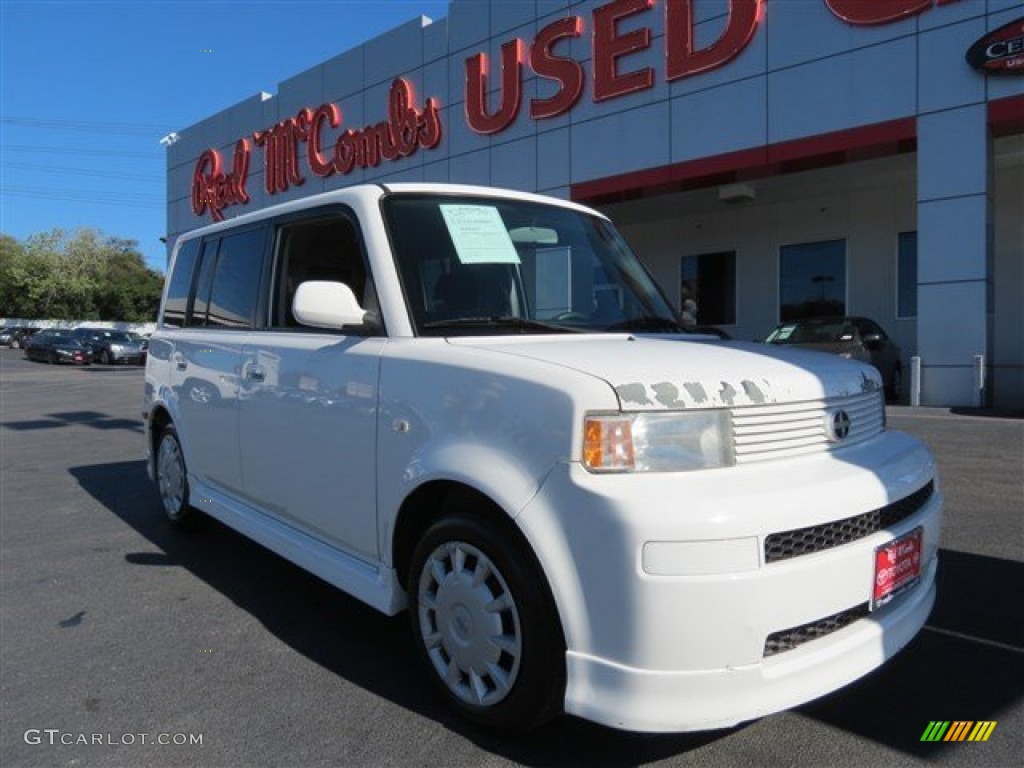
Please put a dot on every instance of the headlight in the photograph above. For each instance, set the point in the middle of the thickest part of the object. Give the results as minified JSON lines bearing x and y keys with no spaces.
{"x":657,"y":442}
{"x":115,"y":347}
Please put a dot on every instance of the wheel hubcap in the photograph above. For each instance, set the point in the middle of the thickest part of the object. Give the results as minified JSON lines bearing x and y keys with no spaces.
{"x":469,"y":624}
{"x":171,"y":476}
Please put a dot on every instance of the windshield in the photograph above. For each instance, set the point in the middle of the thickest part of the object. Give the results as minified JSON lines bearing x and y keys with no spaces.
{"x":102,"y":335}
{"x":813,"y":332}
{"x":472,"y":265}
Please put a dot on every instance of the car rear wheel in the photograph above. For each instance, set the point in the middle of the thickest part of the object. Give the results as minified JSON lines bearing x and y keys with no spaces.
{"x":172,"y":477}
{"x":485,"y":630}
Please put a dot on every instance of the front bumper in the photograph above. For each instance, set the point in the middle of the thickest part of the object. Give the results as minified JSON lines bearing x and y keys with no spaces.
{"x":667,"y":600}
{"x":127,"y":357}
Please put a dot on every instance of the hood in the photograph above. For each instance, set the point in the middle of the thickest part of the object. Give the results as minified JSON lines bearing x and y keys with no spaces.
{"x":850,"y":348}
{"x":671,"y":372}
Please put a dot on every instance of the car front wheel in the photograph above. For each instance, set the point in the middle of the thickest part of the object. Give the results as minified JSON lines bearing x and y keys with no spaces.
{"x":172,"y":476}
{"x":485,"y":629}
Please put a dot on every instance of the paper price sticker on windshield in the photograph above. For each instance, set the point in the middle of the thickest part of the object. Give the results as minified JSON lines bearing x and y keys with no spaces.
{"x":479,"y":234}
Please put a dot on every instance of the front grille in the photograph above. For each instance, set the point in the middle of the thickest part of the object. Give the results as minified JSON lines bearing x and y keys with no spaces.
{"x":767,"y":432}
{"x":788,"y":639}
{"x":817,"y":538}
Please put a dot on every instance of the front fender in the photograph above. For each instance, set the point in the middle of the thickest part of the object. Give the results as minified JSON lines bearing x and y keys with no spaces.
{"x":493,"y":422}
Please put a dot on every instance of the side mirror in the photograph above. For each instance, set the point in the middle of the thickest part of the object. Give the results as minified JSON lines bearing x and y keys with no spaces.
{"x":326,"y":304}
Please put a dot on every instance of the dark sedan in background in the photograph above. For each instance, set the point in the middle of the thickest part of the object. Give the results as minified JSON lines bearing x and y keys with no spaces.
{"x":17,"y":336}
{"x":854,"y":337}
{"x":56,"y":346}
{"x":109,"y":346}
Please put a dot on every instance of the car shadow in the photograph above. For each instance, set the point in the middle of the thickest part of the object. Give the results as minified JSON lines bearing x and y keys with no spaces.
{"x":989,"y":413}
{"x":966,"y":665}
{"x":96,"y":368}
{"x":315,"y":619}
{"x":92,"y":419}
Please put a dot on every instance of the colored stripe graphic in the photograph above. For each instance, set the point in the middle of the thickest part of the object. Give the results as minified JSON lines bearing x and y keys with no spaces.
{"x":982,"y":730}
{"x":958,"y":731}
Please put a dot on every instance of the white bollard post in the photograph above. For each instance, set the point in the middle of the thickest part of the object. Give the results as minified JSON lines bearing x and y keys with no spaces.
{"x":915,"y":381}
{"x":979,"y":380}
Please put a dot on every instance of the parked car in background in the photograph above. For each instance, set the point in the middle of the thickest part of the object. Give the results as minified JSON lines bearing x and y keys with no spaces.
{"x":57,"y":346}
{"x":142,"y":338}
{"x":17,"y":336}
{"x":711,"y":330}
{"x":109,"y":346}
{"x":856,"y":338}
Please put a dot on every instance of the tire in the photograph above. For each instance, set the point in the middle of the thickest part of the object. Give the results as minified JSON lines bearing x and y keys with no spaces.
{"x":895,"y":390}
{"x":15,"y":344}
{"x":460,"y":569}
{"x":172,"y":477}
{"x":52,"y":358}
{"x":105,"y":357}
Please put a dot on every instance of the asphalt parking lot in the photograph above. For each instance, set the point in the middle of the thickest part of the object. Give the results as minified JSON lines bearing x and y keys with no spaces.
{"x":119,"y":632}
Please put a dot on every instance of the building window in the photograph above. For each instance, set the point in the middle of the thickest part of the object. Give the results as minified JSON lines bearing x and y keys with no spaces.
{"x":812,"y":280}
{"x":906,"y":276}
{"x":707,"y":289}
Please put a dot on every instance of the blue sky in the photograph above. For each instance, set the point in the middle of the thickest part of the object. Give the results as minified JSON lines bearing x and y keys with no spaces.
{"x":89,"y":88}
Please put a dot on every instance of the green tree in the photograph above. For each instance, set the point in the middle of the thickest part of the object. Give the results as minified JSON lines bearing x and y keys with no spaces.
{"x":12,"y":260}
{"x":85,"y":275}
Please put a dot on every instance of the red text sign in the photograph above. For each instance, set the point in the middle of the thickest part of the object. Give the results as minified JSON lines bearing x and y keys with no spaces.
{"x":214,"y":189}
{"x":406,"y":129}
{"x":868,"y":12}
{"x":611,"y":48}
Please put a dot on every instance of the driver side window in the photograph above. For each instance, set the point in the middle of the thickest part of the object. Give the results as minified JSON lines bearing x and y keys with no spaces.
{"x":326,"y":248}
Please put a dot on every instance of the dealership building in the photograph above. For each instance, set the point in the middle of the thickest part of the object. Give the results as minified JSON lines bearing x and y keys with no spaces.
{"x":766,"y":159}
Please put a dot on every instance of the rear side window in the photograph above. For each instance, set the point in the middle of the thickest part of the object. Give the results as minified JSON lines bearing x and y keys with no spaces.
{"x":176,"y":302}
{"x":227,"y":293}
{"x":235,"y":295}
{"x":204,"y":282}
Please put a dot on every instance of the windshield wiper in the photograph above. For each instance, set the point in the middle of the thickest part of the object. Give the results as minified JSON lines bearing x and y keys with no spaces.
{"x":651,"y":323}
{"x":517,"y":323}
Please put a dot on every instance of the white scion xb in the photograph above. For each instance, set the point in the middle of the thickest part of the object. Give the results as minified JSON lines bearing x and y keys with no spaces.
{"x":477,"y":405}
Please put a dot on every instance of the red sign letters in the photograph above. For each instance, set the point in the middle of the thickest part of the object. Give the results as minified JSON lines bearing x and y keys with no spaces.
{"x":214,"y":189}
{"x":408,"y":127}
{"x":610,"y":45}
